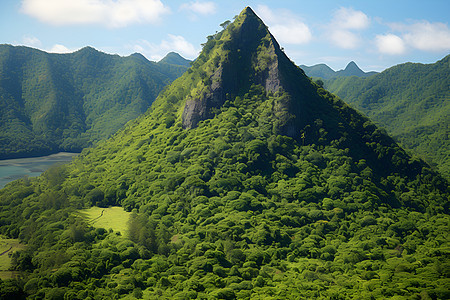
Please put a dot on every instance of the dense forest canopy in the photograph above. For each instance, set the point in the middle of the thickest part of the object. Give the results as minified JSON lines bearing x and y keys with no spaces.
{"x":244,"y":180}
{"x":411,"y":101}
{"x":66,"y":102}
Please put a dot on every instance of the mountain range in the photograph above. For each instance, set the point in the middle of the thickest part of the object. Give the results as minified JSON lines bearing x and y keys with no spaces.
{"x":244,"y":179}
{"x":66,"y":102}
{"x":325,"y":72}
{"x":411,"y":101}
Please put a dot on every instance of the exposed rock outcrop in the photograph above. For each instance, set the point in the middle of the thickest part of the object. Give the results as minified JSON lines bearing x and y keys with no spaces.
{"x":252,"y":58}
{"x":243,"y":55}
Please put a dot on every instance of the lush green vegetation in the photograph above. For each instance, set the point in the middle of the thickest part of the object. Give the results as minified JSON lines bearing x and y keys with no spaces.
{"x":325,"y":72}
{"x":65,"y":102}
{"x":411,"y":101}
{"x":233,"y":208}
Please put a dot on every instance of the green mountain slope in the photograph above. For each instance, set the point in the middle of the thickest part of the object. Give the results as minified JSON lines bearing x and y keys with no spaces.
{"x":65,"y":102}
{"x":325,"y":72}
{"x":411,"y":101}
{"x":245,"y":180}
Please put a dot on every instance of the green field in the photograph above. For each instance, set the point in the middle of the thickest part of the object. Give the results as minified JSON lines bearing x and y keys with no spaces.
{"x":114,"y":217}
{"x":8,"y":246}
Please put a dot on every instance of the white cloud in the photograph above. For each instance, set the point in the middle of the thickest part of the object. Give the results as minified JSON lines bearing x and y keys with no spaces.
{"x":174,"y":43}
{"x":285,"y":26}
{"x":34,"y":42}
{"x":423,"y":36}
{"x":31,"y":41}
{"x":109,"y":13}
{"x":428,"y":36}
{"x":57,"y":48}
{"x":199,"y":7}
{"x":345,"y":25}
{"x":390,"y":44}
{"x":179,"y":44}
{"x":294,"y":33}
{"x":265,"y":13}
{"x":345,"y":39}
{"x":348,"y":18}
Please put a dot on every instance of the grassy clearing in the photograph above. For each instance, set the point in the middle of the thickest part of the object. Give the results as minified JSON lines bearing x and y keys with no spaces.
{"x":114,"y":217}
{"x":8,"y":246}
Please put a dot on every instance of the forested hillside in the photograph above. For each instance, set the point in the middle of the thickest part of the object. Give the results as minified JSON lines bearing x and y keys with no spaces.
{"x":412,"y":101}
{"x":245,"y":180}
{"x":325,"y":72}
{"x":65,"y":102}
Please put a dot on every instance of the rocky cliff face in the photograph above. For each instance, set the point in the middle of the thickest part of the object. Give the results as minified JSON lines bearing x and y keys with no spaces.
{"x":246,"y":54}
{"x":201,"y":108}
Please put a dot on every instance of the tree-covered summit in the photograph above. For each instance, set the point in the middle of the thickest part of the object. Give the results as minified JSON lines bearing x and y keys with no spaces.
{"x":174,"y":58}
{"x":270,"y":194}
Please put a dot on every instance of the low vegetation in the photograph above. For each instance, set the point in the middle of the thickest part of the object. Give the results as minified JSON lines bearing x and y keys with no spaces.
{"x":113,"y":218}
{"x":7,"y":248}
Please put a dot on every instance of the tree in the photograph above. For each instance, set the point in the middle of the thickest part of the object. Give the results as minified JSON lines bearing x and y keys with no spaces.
{"x":319,"y":82}
{"x":225,"y":24}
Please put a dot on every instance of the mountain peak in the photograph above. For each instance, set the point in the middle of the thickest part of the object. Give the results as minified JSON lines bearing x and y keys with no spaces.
{"x":243,"y":55}
{"x":175,"y":59}
{"x":87,"y":49}
{"x":249,"y":27}
{"x":352,"y":67}
{"x":139,"y":56}
{"x":248,"y":11}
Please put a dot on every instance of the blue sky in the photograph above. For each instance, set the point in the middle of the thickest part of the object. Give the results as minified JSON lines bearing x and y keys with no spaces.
{"x":375,"y":34}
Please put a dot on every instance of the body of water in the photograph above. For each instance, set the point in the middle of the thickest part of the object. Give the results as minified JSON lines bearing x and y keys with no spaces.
{"x":12,"y":169}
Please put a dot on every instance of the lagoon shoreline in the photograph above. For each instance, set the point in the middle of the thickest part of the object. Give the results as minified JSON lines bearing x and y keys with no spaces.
{"x":15,"y":168}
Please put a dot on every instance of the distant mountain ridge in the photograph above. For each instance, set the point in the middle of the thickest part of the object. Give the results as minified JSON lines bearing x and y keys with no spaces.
{"x":175,"y":59}
{"x":65,"y":102}
{"x":325,"y":72}
{"x":412,"y":101}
